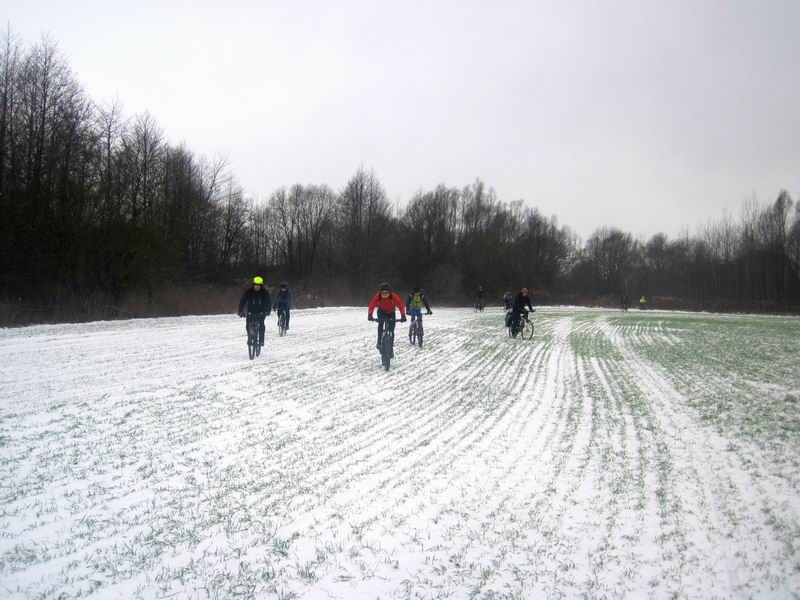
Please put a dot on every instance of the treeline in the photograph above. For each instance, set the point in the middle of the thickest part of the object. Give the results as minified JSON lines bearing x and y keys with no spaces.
{"x":100,"y":216}
{"x":748,"y":263}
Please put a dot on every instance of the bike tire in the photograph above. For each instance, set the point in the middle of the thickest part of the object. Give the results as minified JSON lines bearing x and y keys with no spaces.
{"x":258,"y":350}
{"x":412,"y":334}
{"x":386,"y":351}
{"x":251,"y":350}
{"x":527,"y":330}
{"x":283,"y":324}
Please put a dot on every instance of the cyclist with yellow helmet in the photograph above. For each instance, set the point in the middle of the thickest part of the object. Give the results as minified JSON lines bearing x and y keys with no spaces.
{"x":256,"y":305}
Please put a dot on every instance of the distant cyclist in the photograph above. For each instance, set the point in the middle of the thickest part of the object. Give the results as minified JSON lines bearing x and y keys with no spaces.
{"x":256,"y":305}
{"x":282,"y":302}
{"x":521,"y":301}
{"x":508,"y":300}
{"x":479,"y":298}
{"x":386,"y":301}
{"x":414,"y":303}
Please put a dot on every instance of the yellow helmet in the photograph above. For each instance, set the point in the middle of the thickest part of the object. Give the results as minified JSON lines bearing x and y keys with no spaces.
{"x":258,"y":280}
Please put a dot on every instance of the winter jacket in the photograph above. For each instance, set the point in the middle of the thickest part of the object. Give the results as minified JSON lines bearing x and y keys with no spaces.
{"x":411,"y":303}
{"x":388,"y":305}
{"x":520,"y":302}
{"x":281,"y":297}
{"x":255,"y":301}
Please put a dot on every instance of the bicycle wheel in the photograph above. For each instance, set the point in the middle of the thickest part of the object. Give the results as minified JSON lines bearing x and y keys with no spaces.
{"x":527,"y":330}
{"x":419,"y":333}
{"x":412,"y":334}
{"x":258,"y":349}
{"x":251,"y":345}
{"x":386,"y":350}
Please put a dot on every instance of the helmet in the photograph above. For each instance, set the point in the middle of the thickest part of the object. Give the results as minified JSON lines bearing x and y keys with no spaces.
{"x":385,"y":287}
{"x":416,"y":290}
{"x":284,"y":284}
{"x":258,"y":280}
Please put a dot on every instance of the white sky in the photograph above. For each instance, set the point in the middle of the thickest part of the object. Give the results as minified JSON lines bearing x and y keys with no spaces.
{"x":649,"y":116}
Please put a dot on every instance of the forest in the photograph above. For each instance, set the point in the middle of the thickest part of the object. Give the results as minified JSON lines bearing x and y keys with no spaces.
{"x":102,"y":217}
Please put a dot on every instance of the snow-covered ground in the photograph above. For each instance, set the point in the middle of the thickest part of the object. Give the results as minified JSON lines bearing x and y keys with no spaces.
{"x":614,"y":455}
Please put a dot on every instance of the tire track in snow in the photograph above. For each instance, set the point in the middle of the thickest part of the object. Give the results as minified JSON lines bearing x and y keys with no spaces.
{"x":722,"y":496}
{"x":477,"y":466}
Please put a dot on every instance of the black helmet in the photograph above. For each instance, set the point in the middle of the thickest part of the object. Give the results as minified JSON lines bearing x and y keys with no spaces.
{"x":385,"y":287}
{"x":284,"y":284}
{"x":416,"y":290}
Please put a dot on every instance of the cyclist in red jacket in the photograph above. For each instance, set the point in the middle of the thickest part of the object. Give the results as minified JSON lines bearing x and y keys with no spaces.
{"x":386,"y":301}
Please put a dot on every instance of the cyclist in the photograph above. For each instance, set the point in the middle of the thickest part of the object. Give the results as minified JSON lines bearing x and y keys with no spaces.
{"x":414,"y":303}
{"x":479,"y":298}
{"x":508,"y":299}
{"x":642,"y":303}
{"x":386,"y":301}
{"x":521,"y":301}
{"x":282,"y":303}
{"x":256,"y":305}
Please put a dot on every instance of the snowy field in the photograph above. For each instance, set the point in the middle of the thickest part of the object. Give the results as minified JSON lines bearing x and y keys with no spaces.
{"x":638,"y":455}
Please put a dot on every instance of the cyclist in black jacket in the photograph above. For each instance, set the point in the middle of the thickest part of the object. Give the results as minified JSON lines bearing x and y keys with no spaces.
{"x":256,"y":305}
{"x":521,"y":301}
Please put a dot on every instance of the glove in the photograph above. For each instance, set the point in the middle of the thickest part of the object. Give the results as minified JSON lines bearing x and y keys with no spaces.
{"x":403,"y":319}
{"x":430,"y":312}
{"x":370,"y":318}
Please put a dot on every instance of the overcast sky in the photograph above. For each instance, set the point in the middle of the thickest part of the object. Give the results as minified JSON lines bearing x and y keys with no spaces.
{"x":648,"y":116}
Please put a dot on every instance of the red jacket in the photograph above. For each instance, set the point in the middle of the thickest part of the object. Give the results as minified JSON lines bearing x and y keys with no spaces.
{"x":388,"y":305}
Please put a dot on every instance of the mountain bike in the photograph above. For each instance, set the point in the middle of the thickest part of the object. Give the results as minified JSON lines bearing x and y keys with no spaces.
{"x":253,"y":347}
{"x":283,"y":321}
{"x":523,"y":327}
{"x":415,"y":331}
{"x":387,"y":347}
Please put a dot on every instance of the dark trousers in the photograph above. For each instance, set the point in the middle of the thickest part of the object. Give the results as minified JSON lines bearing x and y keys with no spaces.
{"x":283,"y":308}
{"x":515,"y":317}
{"x":257,"y":318}
{"x":386,"y":320}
